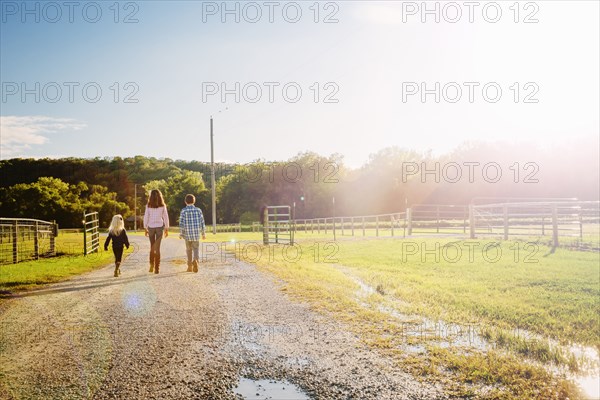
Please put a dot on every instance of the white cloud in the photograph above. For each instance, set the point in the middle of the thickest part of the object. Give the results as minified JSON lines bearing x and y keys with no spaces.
{"x":19,"y":133}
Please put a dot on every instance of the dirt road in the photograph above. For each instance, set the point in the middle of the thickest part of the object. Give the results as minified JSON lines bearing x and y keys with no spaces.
{"x":180,"y":335}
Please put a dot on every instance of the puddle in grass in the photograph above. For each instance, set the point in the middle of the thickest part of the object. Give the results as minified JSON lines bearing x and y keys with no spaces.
{"x":469,"y":336}
{"x":443,"y":333}
{"x":590,"y":386}
{"x":262,"y":389}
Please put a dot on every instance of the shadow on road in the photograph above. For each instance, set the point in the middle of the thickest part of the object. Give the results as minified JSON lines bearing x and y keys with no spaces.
{"x":88,"y":284}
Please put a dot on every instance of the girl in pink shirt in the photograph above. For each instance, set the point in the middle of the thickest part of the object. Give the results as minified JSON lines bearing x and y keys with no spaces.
{"x":156,"y":224}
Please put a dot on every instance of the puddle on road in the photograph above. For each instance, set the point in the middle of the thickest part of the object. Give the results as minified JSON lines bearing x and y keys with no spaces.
{"x":261,"y":389}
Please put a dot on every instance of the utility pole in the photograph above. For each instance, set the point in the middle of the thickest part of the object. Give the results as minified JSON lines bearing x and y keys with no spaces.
{"x":212,"y":179}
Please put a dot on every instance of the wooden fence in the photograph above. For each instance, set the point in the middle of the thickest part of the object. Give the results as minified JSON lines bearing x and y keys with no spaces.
{"x":558,"y":220}
{"x":229,"y":227}
{"x":566,"y":221}
{"x":420,"y":219}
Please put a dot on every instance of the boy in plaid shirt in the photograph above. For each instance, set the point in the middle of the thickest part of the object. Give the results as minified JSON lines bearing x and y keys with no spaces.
{"x":191,"y":225}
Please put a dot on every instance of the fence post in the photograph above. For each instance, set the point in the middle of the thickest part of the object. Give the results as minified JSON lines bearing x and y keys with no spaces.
{"x":543,"y":225}
{"x":36,"y":242}
{"x":437,"y":214}
{"x":409,"y":218}
{"x":15,"y":239}
{"x":554,"y":226}
{"x":342,"y":223}
{"x":377,"y":225}
{"x":392,"y":224}
{"x":334,"y":238}
{"x":53,"y":238}
{"x":363,"y":226}
{"x":464,"y":220}
{"x":505,"y":219}
{"x":352,"y":222}
{"x":471,"y":221}
{"x":265,"y":221}
{"x":96,"y":242}
{"x":580,"y":227}
{"x":84,"y":236}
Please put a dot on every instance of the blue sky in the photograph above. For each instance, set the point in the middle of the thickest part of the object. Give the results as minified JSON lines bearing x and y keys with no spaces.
{"x":368,"y":61}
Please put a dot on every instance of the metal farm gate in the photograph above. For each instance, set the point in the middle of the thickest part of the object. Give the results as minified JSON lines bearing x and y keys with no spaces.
{"x":278,"y":225}
{"x":24,"y":239}
{"x":91,"y":233}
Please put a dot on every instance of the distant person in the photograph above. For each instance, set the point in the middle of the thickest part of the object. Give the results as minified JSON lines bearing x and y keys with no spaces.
{"x":191,"y":226}
{"x":118,"y":235}
{"x":156,"y":224}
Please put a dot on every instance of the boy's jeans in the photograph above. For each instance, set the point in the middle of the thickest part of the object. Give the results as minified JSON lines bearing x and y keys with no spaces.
{"x":192,"y":246}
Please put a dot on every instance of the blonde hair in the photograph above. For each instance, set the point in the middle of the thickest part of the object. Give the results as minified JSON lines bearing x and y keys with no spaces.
{"x":116,"y":225}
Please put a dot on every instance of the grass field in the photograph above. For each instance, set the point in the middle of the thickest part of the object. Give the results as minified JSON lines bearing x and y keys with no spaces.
{"x":397,"y":294}
{"x":69,"y":262}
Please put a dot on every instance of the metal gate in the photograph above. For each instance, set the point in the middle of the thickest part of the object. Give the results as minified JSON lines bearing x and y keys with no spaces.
{"x":91,"y":233}
{"x":23,"y":239}
{"x":278,"y":225}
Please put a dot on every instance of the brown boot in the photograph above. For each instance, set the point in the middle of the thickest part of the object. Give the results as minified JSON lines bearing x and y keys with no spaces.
{"x":116,"y":270}
{"x":195,"y":263}
{"x":151,"y":263}
{"x":156,"y":264}
{"x":189,"y":268}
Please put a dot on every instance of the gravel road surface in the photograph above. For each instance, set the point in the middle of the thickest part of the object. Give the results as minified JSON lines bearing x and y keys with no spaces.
{"x":180,"y":335}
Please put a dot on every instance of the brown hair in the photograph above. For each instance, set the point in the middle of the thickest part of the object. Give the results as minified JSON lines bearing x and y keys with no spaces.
{"x":156,"y":199}
{"x":190,"y":199}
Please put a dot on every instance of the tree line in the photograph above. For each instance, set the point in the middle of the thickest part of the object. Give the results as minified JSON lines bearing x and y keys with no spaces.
{"x":391,"y":180}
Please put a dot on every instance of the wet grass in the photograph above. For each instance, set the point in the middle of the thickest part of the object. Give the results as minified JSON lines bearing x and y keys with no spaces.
{"x":553,"y":294}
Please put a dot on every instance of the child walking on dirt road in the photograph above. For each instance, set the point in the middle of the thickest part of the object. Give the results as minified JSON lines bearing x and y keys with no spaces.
{"x":191,"y":225}
{"x":156,"y":224}
{"x":116,"y":233}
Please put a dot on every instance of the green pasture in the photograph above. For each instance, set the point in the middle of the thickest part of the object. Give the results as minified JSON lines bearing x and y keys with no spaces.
{"x":69,"y":262}
{"x":378,"y":286}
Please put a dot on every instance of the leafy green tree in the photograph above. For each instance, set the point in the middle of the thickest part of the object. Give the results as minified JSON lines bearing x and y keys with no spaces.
{"x":176,"y":187}
{"x":52,"y":199}
{"x":104,"y":202}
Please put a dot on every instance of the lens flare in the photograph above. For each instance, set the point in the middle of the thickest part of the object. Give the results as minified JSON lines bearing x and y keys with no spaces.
{"x":138,"y":299}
